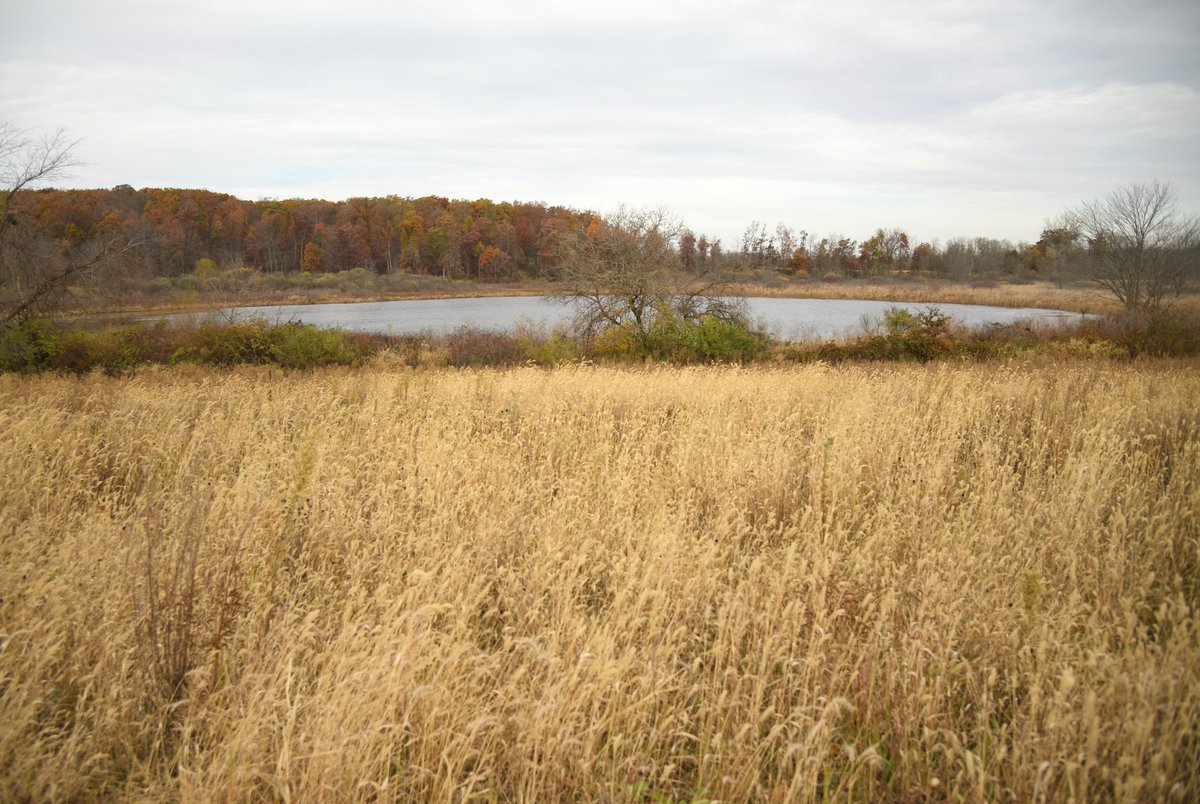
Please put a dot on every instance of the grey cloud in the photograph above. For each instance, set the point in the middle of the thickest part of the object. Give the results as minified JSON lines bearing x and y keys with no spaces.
{"x":734,"y":109}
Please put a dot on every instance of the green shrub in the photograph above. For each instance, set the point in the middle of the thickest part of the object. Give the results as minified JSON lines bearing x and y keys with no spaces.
{"x":708,"y":339}
{"x":31,"y":346}
{"x":290,"y":345}
{"x":545,"y":349}
{"x":114,"y":349}
{"x":898,"y":321}
{"x":205,"y":268}
{"x":910,"y":336}
{"x":39,"y":345}
{"x":226,"y":344}
{"x":555,"y":349}
{"x":304,"y":346}
{"x":712,"y":339}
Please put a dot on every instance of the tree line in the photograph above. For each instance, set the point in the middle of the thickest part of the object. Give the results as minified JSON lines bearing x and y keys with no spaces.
{"x":480,"y":240}
{"x":1060,"y":254}
{"x":176,"y":228}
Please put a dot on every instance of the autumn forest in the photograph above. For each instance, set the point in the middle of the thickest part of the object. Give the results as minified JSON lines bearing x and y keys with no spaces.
{"x":478,"y":240}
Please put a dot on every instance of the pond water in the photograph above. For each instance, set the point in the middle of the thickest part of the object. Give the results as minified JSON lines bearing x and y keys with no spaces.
{"x":784,"y":318}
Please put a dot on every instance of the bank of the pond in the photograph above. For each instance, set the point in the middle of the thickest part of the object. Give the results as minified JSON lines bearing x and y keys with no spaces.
{"x":901,"y":335}
{"x":190,"y":293}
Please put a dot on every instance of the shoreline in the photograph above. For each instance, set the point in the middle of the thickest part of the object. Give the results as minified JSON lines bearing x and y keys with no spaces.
{"x":1042,"y":296}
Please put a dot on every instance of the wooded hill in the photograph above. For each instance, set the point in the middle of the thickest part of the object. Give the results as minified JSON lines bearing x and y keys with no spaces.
{"x":430,"y":235}
{"x":483,"y":240}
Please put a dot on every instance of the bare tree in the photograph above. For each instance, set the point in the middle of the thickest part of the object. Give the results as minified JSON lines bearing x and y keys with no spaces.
{"x":34,"y":271}
{"x":758,"y":245}
{"x":1141,"y":249}
{"x":786,"y":238}
{"x":625,"y":270}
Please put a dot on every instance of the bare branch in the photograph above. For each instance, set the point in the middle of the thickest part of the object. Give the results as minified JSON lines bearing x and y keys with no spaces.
{"x":1141,"y":249}
{"x":627,"y":270}
{"x":36,"y":272}
{"x":47,"y":286}
{"x":25,"y":162}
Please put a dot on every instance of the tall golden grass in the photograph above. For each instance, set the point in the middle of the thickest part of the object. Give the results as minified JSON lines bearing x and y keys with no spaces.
{"x":902,"y":582}
{"x":1045,"y":295}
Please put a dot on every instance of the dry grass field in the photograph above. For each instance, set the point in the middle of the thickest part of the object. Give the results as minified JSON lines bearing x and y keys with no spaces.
{"x":959,"y":582}
{"x":1080,"y":298}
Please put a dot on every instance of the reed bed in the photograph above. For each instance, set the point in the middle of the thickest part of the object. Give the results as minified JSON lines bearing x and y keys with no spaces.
{"x":944,"y":582}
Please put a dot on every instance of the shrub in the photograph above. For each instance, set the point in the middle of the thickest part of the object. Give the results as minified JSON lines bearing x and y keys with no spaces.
{"x":618,"y":341}
{"x":469,"y":346}
{"x":290,"y":345}
{"x":160,"y":285}
{"x":205,"y":268}
{"x":226,"y":345}
{"x":40,"y":345}
{"x":545,"y":349}
{"x":31,"y":346}
{"x":1152,"y":336}
{"x":920,"y":336}
{"x":706,"y":339}
{"x":711,"y":339}
{"x":114,"y":349}
{"x":304,"y":346}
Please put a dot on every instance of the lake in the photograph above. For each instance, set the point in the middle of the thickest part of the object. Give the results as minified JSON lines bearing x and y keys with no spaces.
{"x":785,"y":318}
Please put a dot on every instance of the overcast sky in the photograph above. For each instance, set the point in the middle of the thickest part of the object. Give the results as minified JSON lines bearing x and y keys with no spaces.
{"x":942,"y":118}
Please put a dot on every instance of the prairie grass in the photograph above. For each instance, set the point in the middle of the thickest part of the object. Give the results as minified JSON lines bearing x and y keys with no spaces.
{"x":902,"y":582}
{"x":1077,"y":297}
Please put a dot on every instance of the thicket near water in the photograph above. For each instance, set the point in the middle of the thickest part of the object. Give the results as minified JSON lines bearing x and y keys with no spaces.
{"x":41,"y":345}
{"x":897,"y":581}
